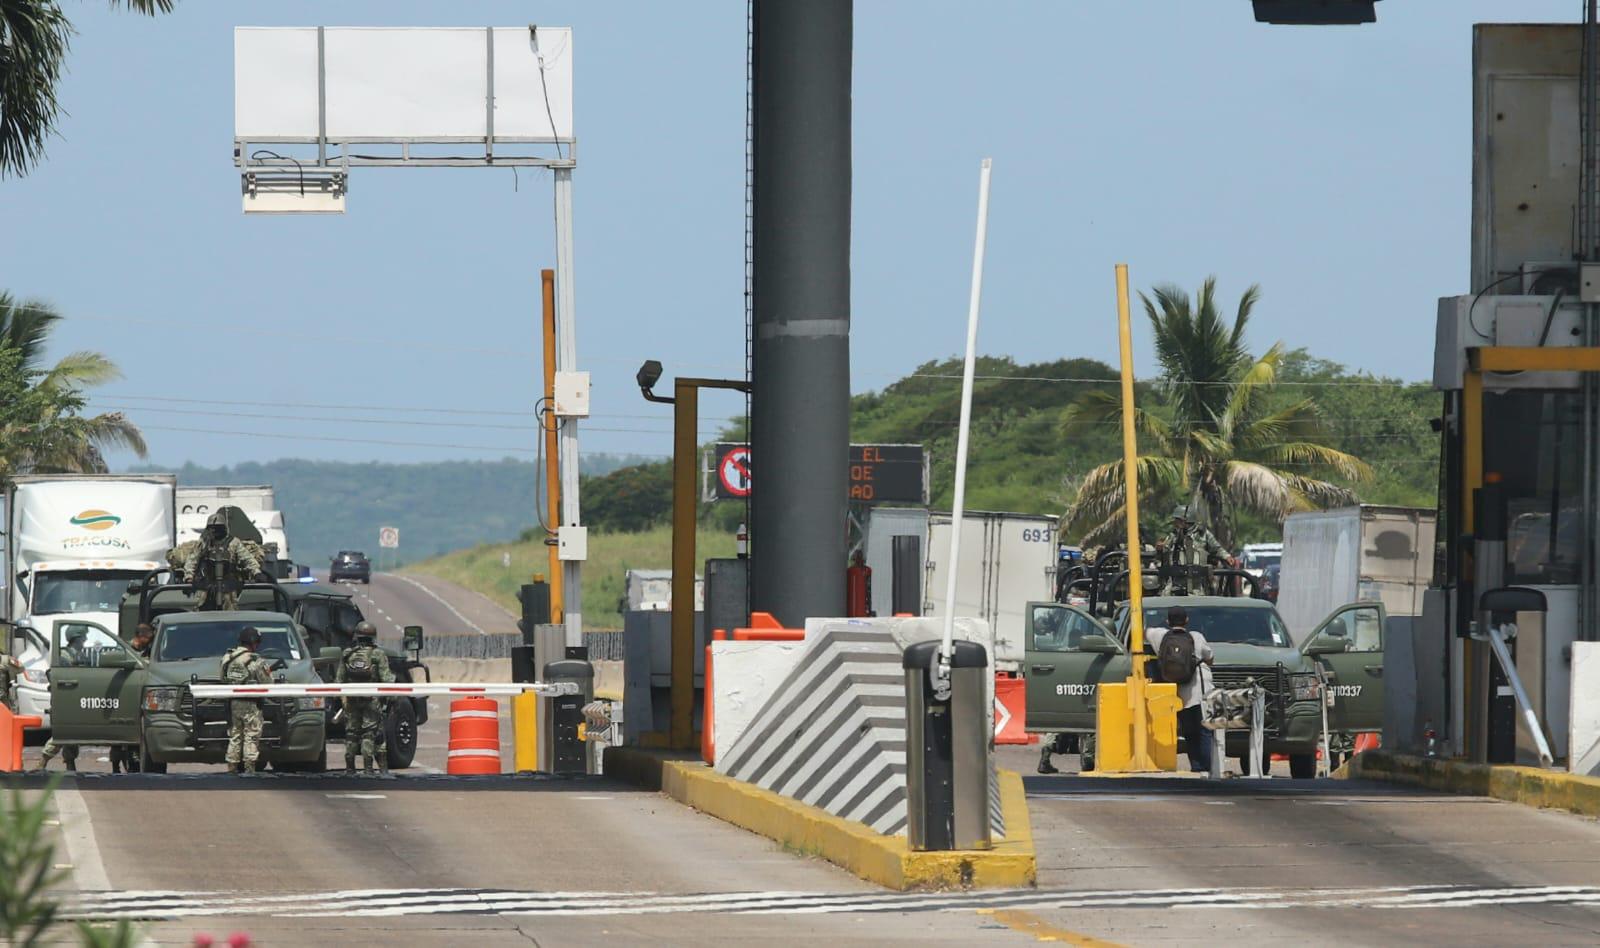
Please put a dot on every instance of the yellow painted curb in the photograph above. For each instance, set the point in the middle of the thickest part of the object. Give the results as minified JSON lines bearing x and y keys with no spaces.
{"x":885,"y":860}
{"x":1527,"y":785}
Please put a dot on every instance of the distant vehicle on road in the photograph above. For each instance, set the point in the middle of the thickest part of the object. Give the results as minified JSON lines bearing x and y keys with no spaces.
{"x":1254,"y":558}
{"x":350,"y":566}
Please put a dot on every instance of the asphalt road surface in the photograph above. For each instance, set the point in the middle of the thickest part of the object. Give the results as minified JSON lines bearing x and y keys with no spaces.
{"x":426,"y":859}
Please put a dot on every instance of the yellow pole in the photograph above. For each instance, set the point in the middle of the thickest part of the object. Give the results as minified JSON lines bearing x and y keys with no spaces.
{"x":552,"y":467}
{"x":1130,"y":466}
{"x":685,"y":449}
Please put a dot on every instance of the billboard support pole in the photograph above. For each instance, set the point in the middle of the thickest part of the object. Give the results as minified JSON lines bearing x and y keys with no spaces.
{"x":567,"y":361}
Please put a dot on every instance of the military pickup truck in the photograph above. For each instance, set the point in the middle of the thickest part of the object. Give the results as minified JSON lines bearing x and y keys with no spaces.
{"x":102,"y":693}
{"x":1070,"y":653}
{"x":327,"y":617}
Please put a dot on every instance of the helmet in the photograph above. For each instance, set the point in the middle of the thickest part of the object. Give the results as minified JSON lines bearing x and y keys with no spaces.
{"x":365,"y":630}
{"x":1181,"y":512}
{"x":249,"y":636}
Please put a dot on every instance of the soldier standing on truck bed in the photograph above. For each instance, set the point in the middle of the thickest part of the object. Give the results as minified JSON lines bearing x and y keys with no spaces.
{"x":1189,"y":547}
{"x":221,"y":564}
{"x":364,"y":662}
{"x":239,"y":667}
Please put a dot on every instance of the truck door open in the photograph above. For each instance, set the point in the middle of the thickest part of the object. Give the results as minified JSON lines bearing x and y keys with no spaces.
{"x":1349,"y":646}
{"x":95,"y":685}
{"x":1068,"y":656}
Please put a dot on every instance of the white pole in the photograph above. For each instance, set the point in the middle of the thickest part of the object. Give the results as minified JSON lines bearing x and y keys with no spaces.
{"x":957,"y":509}
{"x":567,"y":361}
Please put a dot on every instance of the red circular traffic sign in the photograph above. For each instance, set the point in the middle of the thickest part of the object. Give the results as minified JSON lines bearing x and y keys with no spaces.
{"x":734,"y":472}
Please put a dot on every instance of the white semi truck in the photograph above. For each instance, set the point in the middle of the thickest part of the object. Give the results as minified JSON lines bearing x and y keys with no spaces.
{"x":1367,"y":552}
{"x":73,"y":543}
{"x":1007,"y":561}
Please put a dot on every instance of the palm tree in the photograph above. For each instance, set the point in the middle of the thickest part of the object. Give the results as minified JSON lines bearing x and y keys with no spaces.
{"x":34,"y":36}
{"x":46,"y":433}
{"x":1220,"y":441}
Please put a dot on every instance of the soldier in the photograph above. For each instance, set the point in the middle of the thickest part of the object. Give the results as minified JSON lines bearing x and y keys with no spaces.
{"x":363,"y":717}
{"x":122,"y":755}
{"x":220,"y":550}
{"x":73,"y":655}
{"x":1189,"y":547}
{"x":178,"y":557}
{"x":243,"y":666}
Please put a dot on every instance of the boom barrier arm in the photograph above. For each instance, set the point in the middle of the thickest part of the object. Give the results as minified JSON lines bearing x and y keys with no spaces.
{"x":385,"y":690}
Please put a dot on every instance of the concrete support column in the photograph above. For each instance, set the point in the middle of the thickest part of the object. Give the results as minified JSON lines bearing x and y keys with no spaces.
{"x":800,"y":402}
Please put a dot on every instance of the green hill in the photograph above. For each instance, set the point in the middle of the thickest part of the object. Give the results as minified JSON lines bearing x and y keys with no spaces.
{"x":438,"y":507}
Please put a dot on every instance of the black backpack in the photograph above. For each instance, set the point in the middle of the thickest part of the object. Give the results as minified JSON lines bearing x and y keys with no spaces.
{"x":358,"y":665}
{"x":1175,"y":658}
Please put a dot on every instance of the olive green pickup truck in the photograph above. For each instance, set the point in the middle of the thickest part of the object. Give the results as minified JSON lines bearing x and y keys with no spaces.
{"x":1070,"y":653}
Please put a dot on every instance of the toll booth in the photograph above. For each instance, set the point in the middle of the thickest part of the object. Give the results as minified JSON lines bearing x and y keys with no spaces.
{"x":1517,"y":362}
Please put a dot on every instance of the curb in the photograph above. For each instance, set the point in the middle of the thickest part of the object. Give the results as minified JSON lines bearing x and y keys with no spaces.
{"x":884,"y":860}
{"x":1526,"y":785}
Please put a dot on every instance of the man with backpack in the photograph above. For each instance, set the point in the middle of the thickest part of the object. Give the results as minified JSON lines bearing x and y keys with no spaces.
{"x":242,"y":666}
{"x":363,"y":717}
{"x":1184,"y":658}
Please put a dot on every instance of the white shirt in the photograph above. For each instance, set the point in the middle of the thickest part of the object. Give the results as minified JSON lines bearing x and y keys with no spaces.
{"x":1200,"y":682}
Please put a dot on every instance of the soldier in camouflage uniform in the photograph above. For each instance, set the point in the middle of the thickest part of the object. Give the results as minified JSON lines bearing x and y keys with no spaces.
{"x":364,"y":717}
{"x":243,"y":666}
{"x":178,"y":557}
{"x":1189,"y":547}
{"x":216,"y":546}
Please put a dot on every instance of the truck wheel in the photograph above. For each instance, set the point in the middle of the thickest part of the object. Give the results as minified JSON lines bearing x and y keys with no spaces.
{"x":1302,"y":766}
{"x":400,"y":729}
{"x":148,"y":764}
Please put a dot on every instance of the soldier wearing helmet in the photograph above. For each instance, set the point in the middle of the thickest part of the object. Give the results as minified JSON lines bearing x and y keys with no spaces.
{"x":1187,"y":548}
{"x":220,"y":564}
{"x":242,"y":666}
{"x":364,"y":662}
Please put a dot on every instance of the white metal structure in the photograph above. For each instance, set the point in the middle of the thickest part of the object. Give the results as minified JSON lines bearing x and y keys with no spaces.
{"x":205,"y":499}
{"x":436,"y":689}
{"x":311,"y":103}
{"x":973,"y":305}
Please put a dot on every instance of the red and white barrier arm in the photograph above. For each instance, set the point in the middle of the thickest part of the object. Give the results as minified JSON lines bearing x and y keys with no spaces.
{"x":385,"y":690}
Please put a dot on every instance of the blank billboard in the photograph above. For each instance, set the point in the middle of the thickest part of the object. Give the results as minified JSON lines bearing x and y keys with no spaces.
{"x":402,"y":84}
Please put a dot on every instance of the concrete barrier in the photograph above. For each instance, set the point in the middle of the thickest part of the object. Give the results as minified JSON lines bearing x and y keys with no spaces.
{"x":1526,"y":785}
{"x":875,"y":857}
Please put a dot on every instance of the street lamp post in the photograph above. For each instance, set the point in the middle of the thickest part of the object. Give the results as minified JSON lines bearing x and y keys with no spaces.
{"x":685,"y":402}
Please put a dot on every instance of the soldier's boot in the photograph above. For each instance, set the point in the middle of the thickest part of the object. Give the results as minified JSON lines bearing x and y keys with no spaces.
{"x":366,"y":763}
{"x":350,"y":763}
{"x":248,"y":768}
{"x":383,"y":763}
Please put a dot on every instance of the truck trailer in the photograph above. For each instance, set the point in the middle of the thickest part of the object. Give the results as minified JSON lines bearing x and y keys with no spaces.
{"x":73,"y":543}
{"x":1369,"y":553}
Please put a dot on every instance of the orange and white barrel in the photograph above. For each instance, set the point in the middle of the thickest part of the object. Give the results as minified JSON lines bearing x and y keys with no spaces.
{"x":474,"y":736}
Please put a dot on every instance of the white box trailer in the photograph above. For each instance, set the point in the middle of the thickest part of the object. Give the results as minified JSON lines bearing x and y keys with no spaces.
{"x":73,"y":542}
{"x":202,"y":500}
{"x":1007,"y":561}
{"x":1368,"y":552}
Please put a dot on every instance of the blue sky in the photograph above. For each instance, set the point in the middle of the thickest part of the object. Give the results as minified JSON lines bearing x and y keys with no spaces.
{"x":1330,"y":165}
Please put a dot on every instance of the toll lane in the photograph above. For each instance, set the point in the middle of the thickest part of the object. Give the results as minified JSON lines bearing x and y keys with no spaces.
{"x":1325,"y":861}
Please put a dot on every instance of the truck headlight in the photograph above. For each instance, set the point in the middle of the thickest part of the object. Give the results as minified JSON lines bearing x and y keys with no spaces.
{"x":162,"y":699}
{"x":310,"y":704}
{"x":1305,"y":687}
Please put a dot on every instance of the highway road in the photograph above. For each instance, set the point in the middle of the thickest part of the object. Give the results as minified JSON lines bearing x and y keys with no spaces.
{"x":427,"y":859}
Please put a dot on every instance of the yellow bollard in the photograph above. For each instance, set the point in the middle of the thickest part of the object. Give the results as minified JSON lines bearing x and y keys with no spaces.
{"x":1115,"y":743}
{"x":525,"y":732}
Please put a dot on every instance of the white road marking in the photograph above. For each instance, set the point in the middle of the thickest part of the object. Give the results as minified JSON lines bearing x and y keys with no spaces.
{"x":88,"y":871}
{"x":439,"y":599}
{"x":356,"y":796}
{"x":397,"y":902}
{"x":592,"y":798}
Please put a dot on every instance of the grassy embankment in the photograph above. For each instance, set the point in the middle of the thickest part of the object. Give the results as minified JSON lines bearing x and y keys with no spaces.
{"x":611,"y":555}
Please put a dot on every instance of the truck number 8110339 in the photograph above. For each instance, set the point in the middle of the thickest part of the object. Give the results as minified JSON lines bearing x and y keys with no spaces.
{"x":100,"y":704}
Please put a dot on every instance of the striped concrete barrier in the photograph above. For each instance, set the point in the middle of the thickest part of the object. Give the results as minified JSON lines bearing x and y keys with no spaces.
{"x":831,"y":731}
